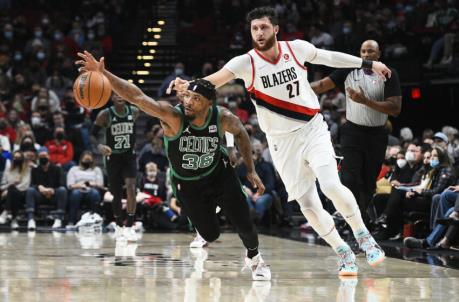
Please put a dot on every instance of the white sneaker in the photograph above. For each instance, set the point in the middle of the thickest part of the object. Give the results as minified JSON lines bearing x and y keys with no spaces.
{"x":119,"y":233}
{"x":260,"y":271}
{"x":31,"y":226}
{"x":111,"y":227}
{"x":70,"y":227}
{"x":14,"y":224}
{"x":3,"y":217}
{"x":130,"y":234}
{"x":198,"y":242}
{"x":57,"y":224}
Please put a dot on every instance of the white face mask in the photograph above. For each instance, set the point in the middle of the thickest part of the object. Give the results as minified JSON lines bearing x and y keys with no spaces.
{"x":151,"y":174}
{"x":401,"y":163}
{"x":409,"y":156}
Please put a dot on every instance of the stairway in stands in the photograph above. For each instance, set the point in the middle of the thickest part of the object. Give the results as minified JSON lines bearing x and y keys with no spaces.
{"x":149,"y":52}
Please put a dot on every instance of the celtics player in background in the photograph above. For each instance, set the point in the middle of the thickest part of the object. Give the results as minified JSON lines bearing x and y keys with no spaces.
{"x":201,"y":174}
{"x":119,"y":123}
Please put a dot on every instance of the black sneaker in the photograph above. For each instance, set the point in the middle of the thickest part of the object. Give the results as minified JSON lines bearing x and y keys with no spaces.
{"x":414,"y":243}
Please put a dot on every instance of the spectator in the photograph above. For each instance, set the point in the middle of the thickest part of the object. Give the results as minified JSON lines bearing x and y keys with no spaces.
{"x":156,"y":155}
{"x":259,"y":204}
{"x":84,"y":182}
{"x":450,"y":199}
{"x":48,"y":99}
{"x":47,"y":186}
{"x":15,"y":182}
{"x":7,"y":130}
{"x":76,"y":135}
{"x":41,"y":128}
{"x":152,"y":198}
{"x":60,"y":150}
{"x":179,"y":71}
{"x":417,"y":198}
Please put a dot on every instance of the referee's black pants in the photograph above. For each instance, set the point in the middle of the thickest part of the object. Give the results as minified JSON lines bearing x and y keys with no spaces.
{"x":199,"y":199}
{"x":363,"y":149}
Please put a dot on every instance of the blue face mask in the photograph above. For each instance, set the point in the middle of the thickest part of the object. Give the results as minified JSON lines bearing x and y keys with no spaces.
{"x":434,"y":163}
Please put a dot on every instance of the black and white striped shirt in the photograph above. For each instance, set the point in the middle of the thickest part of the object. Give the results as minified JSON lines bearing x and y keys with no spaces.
{"x":374,"y":88}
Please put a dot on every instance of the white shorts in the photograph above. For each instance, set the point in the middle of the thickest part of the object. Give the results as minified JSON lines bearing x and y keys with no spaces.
{"x":295,"y":154}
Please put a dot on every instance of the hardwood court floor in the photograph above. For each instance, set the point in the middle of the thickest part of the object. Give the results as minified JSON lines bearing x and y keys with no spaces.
{"x":161,"y":267}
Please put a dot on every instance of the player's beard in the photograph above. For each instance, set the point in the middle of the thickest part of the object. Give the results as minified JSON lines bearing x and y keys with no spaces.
{"x":268,"y":44}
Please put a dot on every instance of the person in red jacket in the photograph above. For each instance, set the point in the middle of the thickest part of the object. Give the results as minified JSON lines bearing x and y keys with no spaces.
{"x":60,"y":150}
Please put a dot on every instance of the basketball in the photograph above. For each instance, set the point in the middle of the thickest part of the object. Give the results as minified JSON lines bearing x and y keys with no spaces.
{"x":92,"y":89}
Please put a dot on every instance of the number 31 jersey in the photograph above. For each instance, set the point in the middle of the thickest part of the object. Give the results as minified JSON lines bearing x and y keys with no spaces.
{"x":120,"y":134}
{"x":195,"y":152}
{"x":279,"y":89}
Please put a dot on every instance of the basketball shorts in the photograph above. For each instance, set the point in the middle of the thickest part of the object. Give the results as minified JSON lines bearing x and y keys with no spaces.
{"x":295,"y":154}
{"x":122,"y":165}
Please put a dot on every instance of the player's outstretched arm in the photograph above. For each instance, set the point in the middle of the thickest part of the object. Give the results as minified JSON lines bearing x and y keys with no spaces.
{"x":218,"y":78}
{"x":230,"y":123}
{"x":129,"y":91}
{"x":343,"y":60}
{"x":324,"y":85}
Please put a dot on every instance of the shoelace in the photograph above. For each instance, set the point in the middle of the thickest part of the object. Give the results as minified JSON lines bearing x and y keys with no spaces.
{"x":345,"y":258}
{"x":365,"y":243}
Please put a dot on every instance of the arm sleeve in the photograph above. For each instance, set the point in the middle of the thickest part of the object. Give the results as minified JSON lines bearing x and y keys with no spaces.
{"x":336,"y":59}
{"x":241,"y":67}
{"x":392,"y":85}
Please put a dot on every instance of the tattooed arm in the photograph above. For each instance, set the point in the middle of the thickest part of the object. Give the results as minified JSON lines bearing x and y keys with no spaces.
{"x":230,"y":123}
{"x":131,"y":93}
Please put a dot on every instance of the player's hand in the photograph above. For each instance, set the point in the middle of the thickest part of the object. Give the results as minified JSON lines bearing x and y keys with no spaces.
{"x":410,"y":194}
{"x":104,"y":150}
{"x":256,"y":182}
{"x":358,"y":97}
{"x":454,"y":188}
{"x":381,"y":70}
{"x":89,"y":63}
{"x":178,"y":85}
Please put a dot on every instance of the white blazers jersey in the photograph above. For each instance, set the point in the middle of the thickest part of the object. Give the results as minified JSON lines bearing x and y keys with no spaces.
{"x":281,"y":92}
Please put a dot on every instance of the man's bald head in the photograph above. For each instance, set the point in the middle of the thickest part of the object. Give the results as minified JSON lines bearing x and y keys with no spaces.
{"x":370,"y":50}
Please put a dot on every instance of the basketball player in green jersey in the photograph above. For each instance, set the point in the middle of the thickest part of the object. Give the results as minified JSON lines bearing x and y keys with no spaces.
{"x":200,"y":169}
{"x":119,"y":123}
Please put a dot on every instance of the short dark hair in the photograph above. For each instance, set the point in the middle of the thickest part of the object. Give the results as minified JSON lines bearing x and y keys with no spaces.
{"x":264,"y":11}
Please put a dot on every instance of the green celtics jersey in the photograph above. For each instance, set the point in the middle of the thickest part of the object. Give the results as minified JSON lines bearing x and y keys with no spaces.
{"x":195,"y":151}
{"x":120,"y":134}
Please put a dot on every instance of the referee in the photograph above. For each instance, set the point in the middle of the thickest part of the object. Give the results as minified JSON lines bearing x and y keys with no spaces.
{"x":369,"y":101}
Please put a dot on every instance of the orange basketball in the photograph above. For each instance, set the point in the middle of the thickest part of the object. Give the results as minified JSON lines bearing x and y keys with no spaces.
{"x":92,"y":89}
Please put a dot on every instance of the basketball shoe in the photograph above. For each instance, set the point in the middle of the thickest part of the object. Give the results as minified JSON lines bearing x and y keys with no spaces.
{"x":260,"y":271}
{"x":374,"y":253}
{"x":346,"y":262}
{"x":198,"y":242}
{"x":130,"y":234}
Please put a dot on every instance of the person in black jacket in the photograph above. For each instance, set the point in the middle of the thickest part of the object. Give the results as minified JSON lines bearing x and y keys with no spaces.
{"x":419,"y":198}
{"x":259,"y":204}
{"x":47,"y":186}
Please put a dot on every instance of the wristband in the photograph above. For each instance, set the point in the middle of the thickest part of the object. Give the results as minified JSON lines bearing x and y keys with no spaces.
{"x":367,"y":64}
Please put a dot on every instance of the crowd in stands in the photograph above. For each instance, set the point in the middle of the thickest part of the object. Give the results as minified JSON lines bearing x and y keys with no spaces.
{"x":50,"y":167}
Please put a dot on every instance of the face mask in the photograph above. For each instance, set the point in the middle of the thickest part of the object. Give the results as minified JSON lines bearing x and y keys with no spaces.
{"x":38,"y":34}
{"x":401,"y":163}
{"x":60,"y":136}
{"x":26,"y":145}
{"x":409,"y":156}
{"x":18,"y":56}
{"x":35,"y":120}
{"x":8,"y":34}
{"x":18,"y":161}
{"x":347,"y":30}
{"x":91,"y":36}
{"x":178,"y":71}
{"x":43,"y":161}
{"x":254,"y":122}
{"x":434,"y":163}
{"x":151,"y":174}
{"x":40,"y":55}
{"x":57,"y":36}
{"x":86,"y":164}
